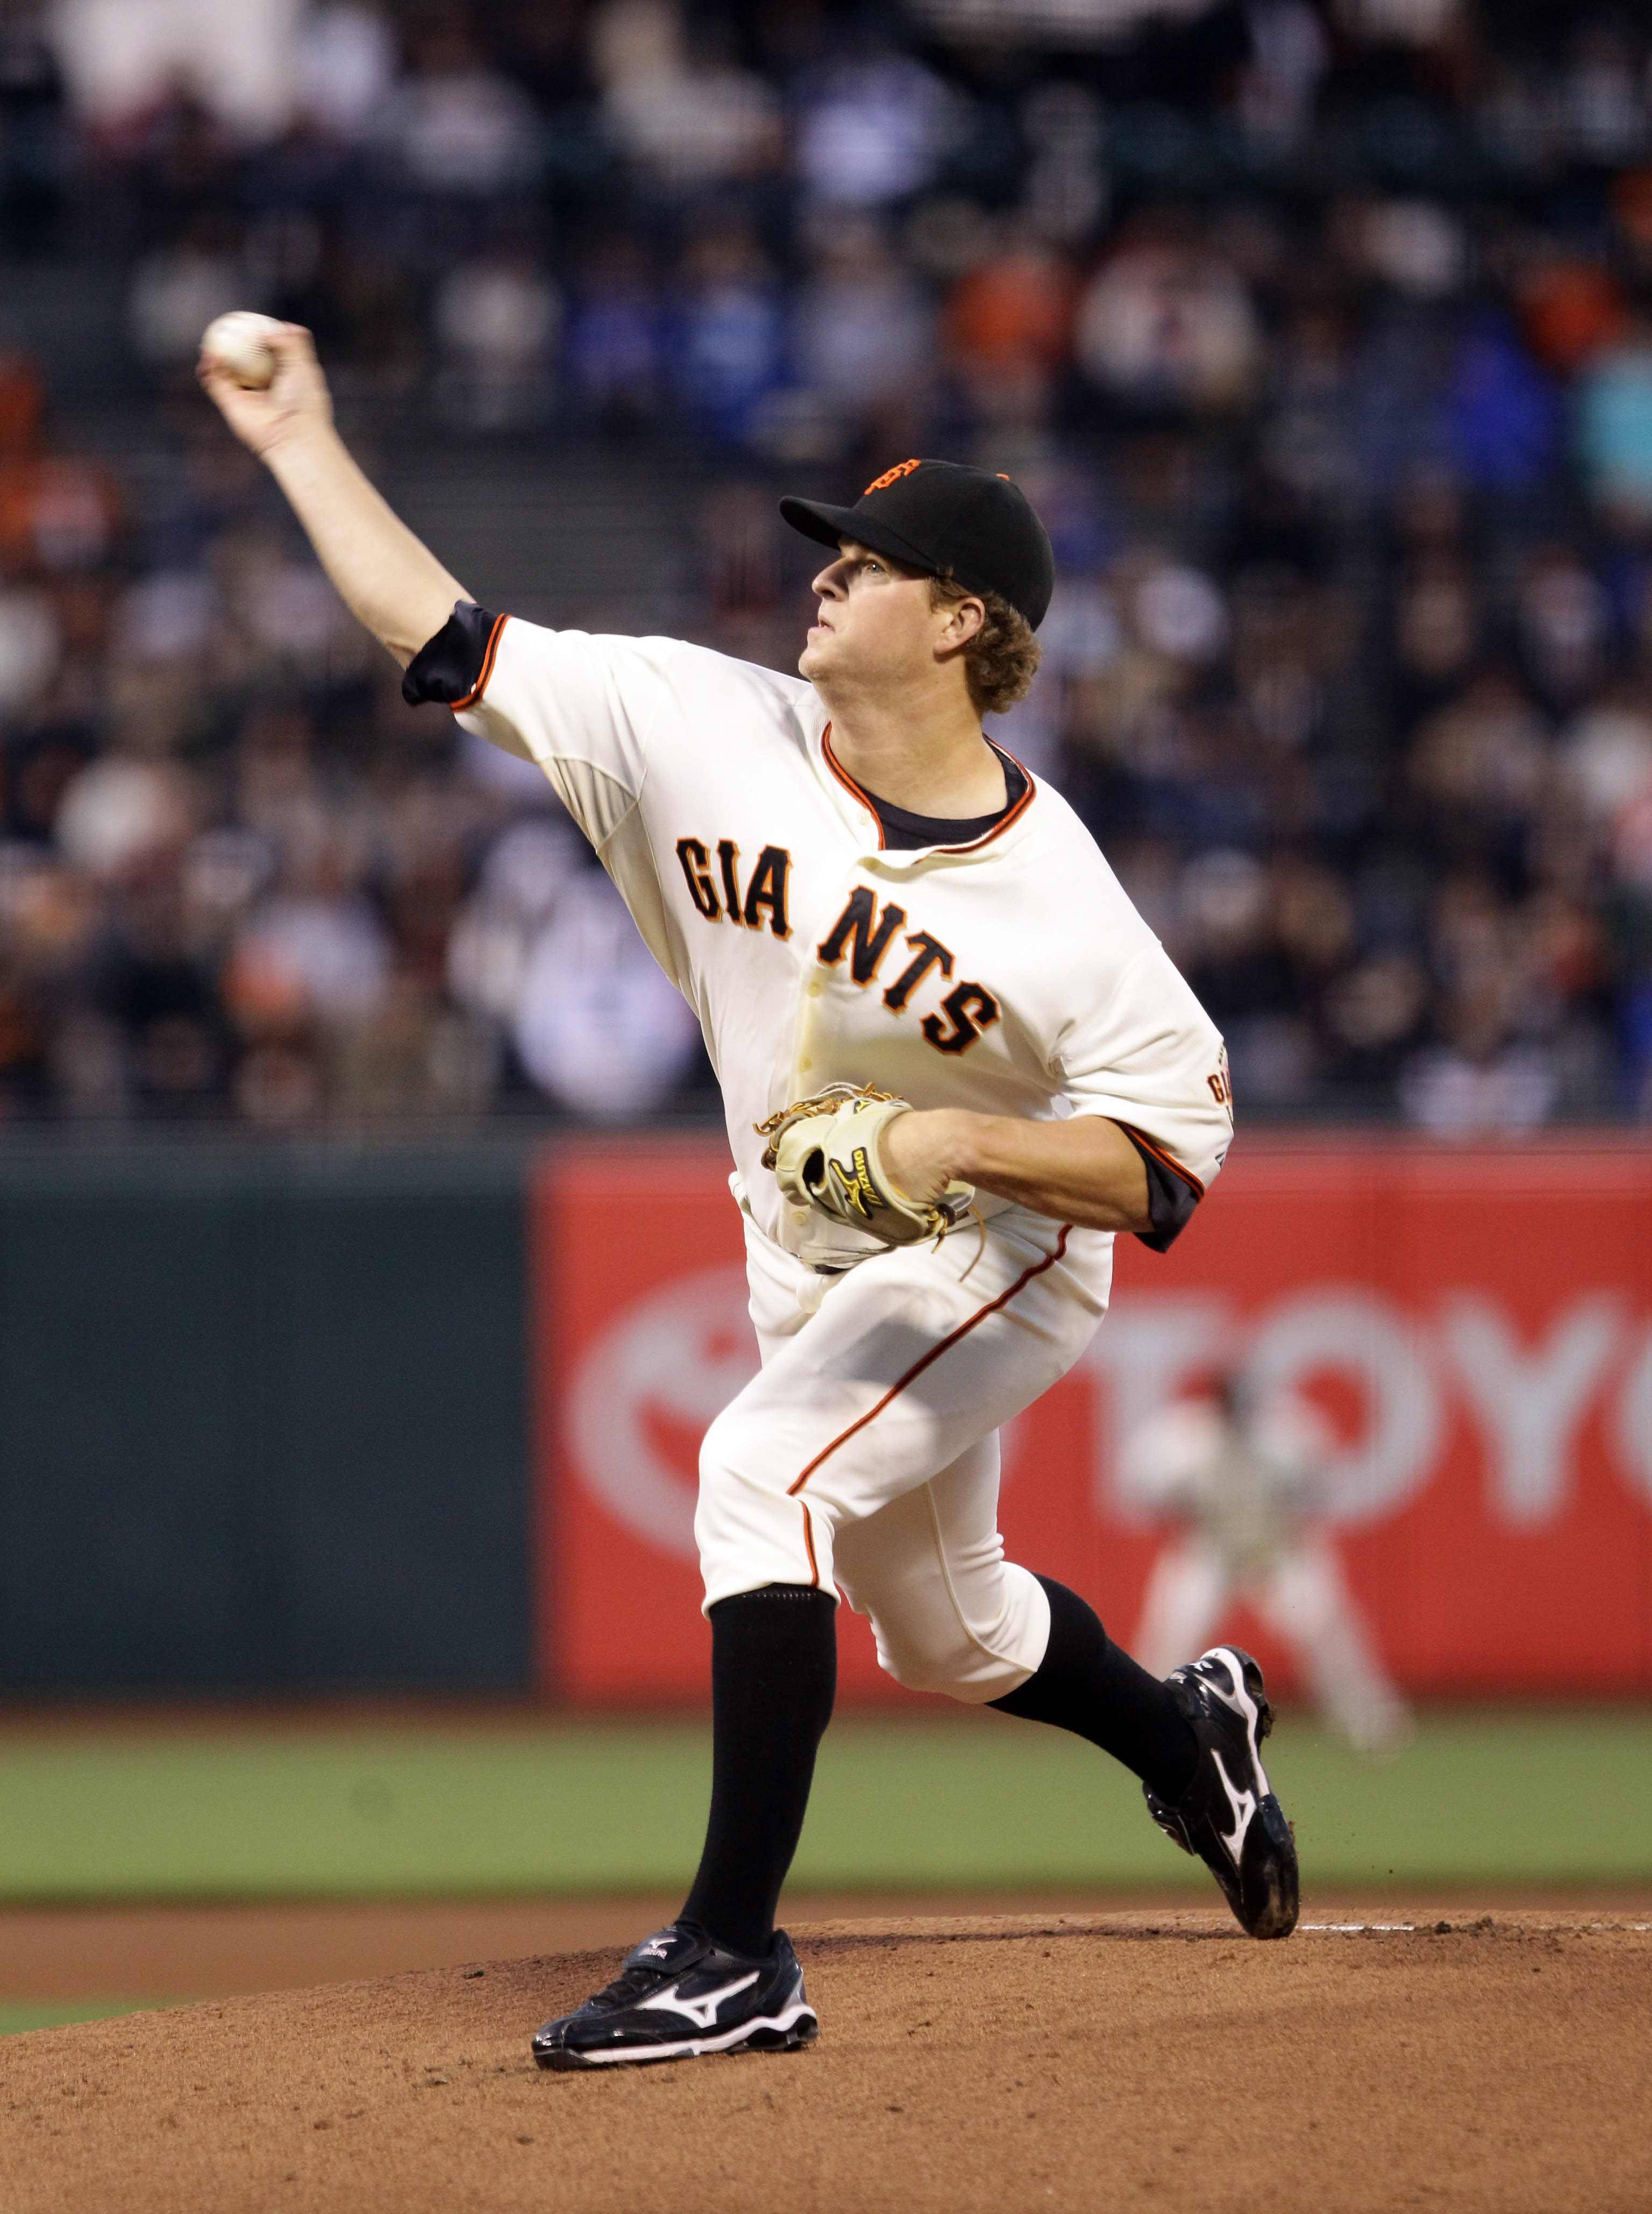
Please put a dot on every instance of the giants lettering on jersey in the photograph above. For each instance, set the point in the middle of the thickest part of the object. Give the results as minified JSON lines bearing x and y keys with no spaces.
{"x":766,"y":887}
{"x":864,"y":935}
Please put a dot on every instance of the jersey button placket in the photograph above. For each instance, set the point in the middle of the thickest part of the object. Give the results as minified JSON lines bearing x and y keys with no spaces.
{"x":806,"y":1055}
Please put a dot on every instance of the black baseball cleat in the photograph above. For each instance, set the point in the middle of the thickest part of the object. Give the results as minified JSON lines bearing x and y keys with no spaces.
{"x":681,"y":1994}
{"x":1227,"y":1815}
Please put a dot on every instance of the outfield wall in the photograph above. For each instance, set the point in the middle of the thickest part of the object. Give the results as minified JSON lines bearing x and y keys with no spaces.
{"x":279,"y":1420}
{"x":1476,"y":1326}
{"x":262,"y":1421}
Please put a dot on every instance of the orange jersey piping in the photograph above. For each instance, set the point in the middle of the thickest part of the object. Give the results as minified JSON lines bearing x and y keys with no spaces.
{"x":1010,"y":815}
{"x":1165,"y":1160}
{"x":481,"y":683}
{"x":924,"y":1361}
{"x":848,"y":781}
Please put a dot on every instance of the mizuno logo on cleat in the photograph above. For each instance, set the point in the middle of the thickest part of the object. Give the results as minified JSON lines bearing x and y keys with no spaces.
{"x":1244,"y":1804}
{"x":1238,"y":1700}
{"x":703,"y":2012}
{"x":655,"y":1949}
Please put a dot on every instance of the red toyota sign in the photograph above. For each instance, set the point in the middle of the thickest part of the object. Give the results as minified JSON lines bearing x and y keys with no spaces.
{"x":1471,"y":1330}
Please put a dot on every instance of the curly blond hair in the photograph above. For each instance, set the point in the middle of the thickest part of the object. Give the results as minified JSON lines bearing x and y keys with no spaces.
{"x":1001,"y":659}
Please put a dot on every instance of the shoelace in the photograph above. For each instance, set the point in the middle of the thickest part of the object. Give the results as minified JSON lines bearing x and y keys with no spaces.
{"x":630,"y":1984}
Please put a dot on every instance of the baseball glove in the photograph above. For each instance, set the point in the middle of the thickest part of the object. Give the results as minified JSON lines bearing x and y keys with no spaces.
{"x":825,"y":1153}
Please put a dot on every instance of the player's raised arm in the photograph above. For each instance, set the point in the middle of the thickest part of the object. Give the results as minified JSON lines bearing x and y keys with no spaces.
{"x":391,"y":584}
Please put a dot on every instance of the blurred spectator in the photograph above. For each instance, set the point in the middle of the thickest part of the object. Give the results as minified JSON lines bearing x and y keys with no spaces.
{"x":488,"y":954}
{"x":1415,"y":246}
{"x":314,"y":951}
{"x":741,"y":553}
{"x":1606,"y":758}
{"x":36,"y":149}
{"x":453,"y":125}
{"x":30,"y":644}
{"x":1572,"y":309}
{"x":598,"y":1026}
{"x":1290,"y":51}
{"x":1563,"y":617}
{"x":1602,"y":97}
{"x":727,"y":353}
{"x":123,"y":820}
{"x":178,"y":290}
{"x":58,"y":512}
{"x":1615,"y":427}
{"x":1504,"y":417}
{"x":685,"y":120}
{"x":1478,"y":1079}
{"x":615,"y":354}
{"x":1066,"y":190}
{"x":1179,"y":612}
{"x":165,"y":1018}
{"x":872,"y":132}
{"x":122,"y":55}
{"x":1009,"y":325}
{"x":1481,"y":1073}
{"x":863,"y":332}
{"x":1165,"y":322}
{"x":1479,"y":765}
{"x":346,"y":62}
{"x":496,"y":320}
{"x":1307,"y":438}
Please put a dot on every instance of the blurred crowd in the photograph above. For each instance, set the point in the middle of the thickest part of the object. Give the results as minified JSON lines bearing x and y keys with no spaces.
{"x":1320,"y":336}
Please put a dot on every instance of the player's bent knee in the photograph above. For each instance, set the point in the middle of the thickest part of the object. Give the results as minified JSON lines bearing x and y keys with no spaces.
{"x":929,"y":1638}
{"x":959,"y":1669}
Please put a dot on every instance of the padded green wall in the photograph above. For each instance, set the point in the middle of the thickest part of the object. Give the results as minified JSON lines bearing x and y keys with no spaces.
{"x":263,"y":1420}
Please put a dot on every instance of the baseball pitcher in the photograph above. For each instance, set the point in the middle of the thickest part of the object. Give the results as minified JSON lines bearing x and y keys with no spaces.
{"x":955,"y":1063}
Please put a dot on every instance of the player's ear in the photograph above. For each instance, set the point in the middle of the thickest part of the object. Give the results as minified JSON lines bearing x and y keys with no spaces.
{"x":965,"y":620}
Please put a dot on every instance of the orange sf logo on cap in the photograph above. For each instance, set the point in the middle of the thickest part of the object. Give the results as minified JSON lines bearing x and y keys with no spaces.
{"x":893,"y":476}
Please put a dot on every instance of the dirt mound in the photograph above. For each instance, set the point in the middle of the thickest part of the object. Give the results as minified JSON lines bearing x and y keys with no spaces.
{"x":1000,"y":2063}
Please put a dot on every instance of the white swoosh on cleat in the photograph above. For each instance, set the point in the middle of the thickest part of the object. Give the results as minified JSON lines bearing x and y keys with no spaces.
{"x":702,"y":2012}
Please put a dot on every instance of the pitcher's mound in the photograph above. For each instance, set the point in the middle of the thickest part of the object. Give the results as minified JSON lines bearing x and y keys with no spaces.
{"x":1083,"y":2062}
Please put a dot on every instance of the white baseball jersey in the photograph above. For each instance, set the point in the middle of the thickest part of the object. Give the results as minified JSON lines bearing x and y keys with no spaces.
{"x":1010,"y":976}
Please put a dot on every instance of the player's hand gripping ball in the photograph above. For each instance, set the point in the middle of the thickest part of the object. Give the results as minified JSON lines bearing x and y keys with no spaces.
{"x":825,"y":1153}
{"x":239,"y":343}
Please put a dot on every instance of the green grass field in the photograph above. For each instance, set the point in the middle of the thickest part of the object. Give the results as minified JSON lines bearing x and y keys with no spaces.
{"x":1504,"y":1796}
{"x":14,"y":2018}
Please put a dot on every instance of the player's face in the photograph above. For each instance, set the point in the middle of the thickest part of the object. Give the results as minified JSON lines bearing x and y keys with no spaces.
{"x":875,"y":624}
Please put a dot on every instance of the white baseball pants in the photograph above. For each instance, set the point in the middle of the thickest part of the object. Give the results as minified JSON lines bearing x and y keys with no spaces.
{"x":865,"y":1452}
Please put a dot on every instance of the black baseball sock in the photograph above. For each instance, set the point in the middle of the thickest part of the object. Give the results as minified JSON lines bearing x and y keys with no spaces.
{"x":1088,"y":1685}
{"x":774,"y":1675}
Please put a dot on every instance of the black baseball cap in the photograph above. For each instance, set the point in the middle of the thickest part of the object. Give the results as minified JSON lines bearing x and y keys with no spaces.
{"x":945,"y":519}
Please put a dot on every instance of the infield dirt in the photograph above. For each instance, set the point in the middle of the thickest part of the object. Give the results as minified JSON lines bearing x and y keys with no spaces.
{"x":1006,"y":2063}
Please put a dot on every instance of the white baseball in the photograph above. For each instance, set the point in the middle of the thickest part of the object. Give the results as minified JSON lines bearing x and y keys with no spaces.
{"x":240,"y":342}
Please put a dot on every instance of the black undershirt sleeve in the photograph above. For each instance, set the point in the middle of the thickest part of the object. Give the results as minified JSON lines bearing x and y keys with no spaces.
{"x":1171,"y":1198}
{"x":449,"y":666}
